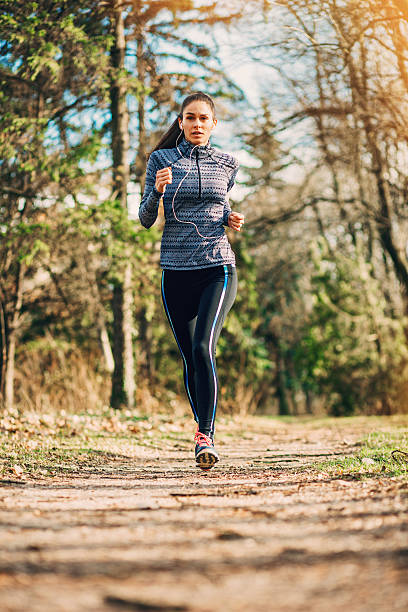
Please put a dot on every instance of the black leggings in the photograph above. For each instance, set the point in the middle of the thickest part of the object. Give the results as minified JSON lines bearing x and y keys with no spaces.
{"x":196,"y":303}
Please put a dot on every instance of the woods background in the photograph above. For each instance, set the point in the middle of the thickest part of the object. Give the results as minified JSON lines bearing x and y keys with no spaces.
{"x":87,"y":87}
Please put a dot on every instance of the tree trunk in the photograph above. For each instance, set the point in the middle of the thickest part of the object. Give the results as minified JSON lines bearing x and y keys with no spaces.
{"x":308,"y":401}
{"x":11,"y":340}
{"x":106,"y":347}
{"x":387,"y":236}
{"x":141,"y":75}
{"x":280,"y":379}
{"x":145,"y":366}
{"x":146,"y":362}
{"x":3,"y":344}
{"x":280,"y":385}
{"x":118,"y":395}
{"x":123,"y":381}
{"x":400,"y":39}
{"x":9,"y":373}
{"x":128,"y":370}
{"x":383,"y":217}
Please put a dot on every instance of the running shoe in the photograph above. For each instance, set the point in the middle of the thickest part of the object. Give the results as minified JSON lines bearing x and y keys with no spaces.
{"x":205,"y":454}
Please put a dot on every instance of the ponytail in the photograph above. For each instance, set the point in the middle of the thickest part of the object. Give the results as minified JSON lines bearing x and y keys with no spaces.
{"x":170,"y":139}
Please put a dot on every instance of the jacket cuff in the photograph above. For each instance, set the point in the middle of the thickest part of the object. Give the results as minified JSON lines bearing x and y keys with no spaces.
{"x":157,"y":193}
{"x":226,"y":215}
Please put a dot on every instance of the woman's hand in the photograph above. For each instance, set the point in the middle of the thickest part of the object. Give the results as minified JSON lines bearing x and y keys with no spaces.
{"x":163,"y":178}
{"x":235,"y":221}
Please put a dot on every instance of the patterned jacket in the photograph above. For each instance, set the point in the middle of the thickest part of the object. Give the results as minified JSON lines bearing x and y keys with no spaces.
{"x":193,"y":235}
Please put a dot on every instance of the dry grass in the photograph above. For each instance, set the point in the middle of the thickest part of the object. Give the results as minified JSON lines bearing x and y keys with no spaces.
{"x":53,"y":376}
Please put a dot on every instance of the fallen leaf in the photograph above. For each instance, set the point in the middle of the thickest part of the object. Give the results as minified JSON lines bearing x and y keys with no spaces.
{"x":17,"y":470}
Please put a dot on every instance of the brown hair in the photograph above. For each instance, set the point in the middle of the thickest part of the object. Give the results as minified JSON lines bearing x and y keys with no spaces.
{"x":169,"y":139}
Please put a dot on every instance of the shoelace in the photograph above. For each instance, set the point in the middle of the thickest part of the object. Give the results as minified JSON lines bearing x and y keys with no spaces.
{"x":203,"y":440}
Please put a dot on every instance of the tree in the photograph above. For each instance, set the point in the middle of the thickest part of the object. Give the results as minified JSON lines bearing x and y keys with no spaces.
{"x":342,"y":82}
{"x":47,"y":70}
{"x":70,"y":80}
{"x":352,"y":348}
{"x":358,"y":107}
{"x":123,"y":379}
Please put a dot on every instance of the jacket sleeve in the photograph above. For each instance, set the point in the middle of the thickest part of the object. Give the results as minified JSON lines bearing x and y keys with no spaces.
{"x":149,"y":205}
{"x":233,"y":174}
{"x":231,"y":180}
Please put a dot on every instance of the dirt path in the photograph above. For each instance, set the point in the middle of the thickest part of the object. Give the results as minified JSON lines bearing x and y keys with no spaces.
{"x":151,"y":532}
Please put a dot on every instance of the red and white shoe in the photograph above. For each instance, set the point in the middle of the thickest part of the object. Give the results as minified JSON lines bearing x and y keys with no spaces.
{"x":205,"y":454}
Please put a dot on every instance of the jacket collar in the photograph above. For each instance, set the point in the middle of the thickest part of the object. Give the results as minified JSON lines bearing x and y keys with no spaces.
{"x":186,"y":147}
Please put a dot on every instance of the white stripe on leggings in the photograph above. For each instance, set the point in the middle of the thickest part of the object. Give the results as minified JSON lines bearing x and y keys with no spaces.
{"x":211,"y":341}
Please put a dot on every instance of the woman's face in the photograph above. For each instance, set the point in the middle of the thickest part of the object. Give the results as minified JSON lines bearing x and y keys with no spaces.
{"x":198,"y":122}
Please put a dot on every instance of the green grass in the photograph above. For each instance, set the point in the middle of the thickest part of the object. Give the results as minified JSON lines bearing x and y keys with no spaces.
{"x":58,"y":456}
{"x":373,"y":459}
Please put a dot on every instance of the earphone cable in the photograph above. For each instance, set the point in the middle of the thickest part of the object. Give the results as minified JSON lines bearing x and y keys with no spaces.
{"x":178,"y":187}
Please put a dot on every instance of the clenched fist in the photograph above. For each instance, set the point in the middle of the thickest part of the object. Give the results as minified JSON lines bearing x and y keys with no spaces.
{"x":163,"y":178}
{"x":235,"y":221}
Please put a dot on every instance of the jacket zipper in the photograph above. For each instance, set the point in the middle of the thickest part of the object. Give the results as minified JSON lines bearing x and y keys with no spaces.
{"x":199,"y":176}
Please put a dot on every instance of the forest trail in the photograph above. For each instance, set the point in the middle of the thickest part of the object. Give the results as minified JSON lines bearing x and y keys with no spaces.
{"x":260,"y":532}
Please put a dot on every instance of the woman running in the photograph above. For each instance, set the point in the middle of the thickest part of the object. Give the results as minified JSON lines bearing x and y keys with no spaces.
{"x":199,"y":280}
